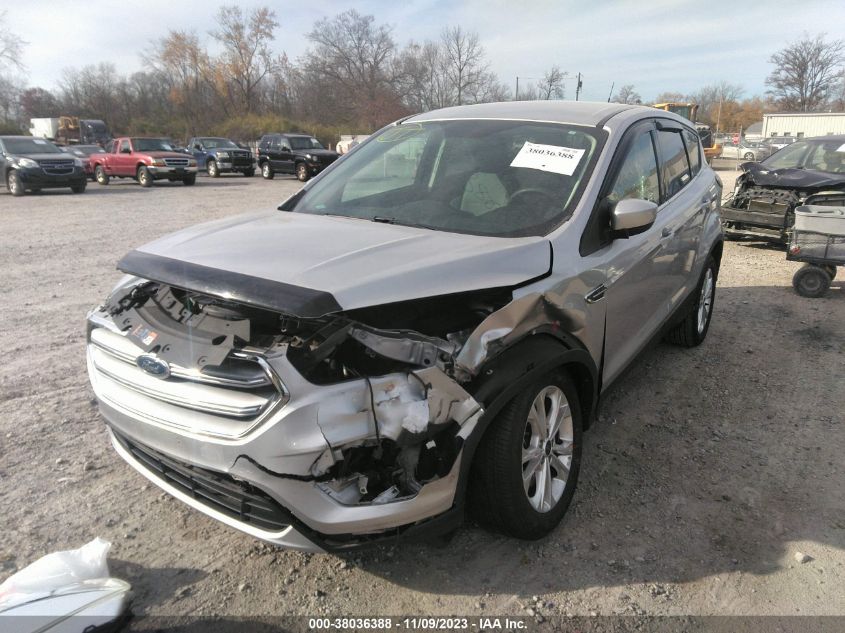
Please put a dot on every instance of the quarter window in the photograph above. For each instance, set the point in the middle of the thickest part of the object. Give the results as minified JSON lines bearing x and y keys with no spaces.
{"x":693,"y":151}
{"x":675,"y":167}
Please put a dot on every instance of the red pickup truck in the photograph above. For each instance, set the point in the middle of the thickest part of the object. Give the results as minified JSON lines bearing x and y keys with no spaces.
{"x":144,"y":159}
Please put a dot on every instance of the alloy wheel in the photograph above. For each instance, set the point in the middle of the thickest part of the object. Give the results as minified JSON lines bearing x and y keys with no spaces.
{"x":547,"y":449}
{"x":705,"y":300}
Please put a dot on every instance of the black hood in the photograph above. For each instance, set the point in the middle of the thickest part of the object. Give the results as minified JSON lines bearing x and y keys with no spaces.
{"x":759,"y":174}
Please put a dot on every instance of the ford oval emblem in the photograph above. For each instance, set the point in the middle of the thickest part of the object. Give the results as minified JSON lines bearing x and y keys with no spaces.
{"x":153,"y":366}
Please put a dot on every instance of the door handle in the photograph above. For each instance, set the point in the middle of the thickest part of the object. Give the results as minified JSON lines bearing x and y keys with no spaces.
{"x":666,"y":232}
{"x":596,"y":294}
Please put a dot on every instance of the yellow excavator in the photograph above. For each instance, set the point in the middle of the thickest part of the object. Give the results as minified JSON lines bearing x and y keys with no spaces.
{"x":690,"y":111}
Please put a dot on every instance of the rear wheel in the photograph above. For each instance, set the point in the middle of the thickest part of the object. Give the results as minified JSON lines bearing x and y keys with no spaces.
{"x":692,"y":330}
{"x":748,"y":156}
{"x":14,"y":183}
{"x":811,"y":281}
{"x":100,"y":175}
{"x":145,"y":178}
{"x":213,"y":169}
{"x":302,"y":172}
{"x":526,"y":467}
{"x":267,"y":171}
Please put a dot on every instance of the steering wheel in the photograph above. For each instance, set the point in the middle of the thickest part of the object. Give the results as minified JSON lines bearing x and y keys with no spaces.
{"x":531,"y":191}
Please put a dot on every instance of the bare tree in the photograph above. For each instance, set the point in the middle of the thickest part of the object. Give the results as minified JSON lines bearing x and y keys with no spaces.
{"x":627,"y":94}
{"x":551,"y":85}
{"x":805,"y":73}
{"x":671,"y":97}
{"x":466,"y":65}
{"x":187,"y":69}
{"x":11,"y":46}
{"x":247,"y":58}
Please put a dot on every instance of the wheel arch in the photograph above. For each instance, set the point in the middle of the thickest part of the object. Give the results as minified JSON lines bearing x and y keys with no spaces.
{"x":502,"y":377}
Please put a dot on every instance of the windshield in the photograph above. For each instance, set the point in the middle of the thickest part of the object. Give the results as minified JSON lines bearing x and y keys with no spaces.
{"x":30,"y":146}
{"x":304,"y":142}
{"x":151,"y":145}
{"x":498,"y":178}
{"x":217,"y":143}
{"x":790,"y":157}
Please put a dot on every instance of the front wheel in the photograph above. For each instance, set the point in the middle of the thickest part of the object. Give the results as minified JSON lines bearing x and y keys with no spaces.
{"x":145,"y":178}
{"x":302,"y":172}
{"x":811,"y":281}
{"x":692,"y":330}
{"x":526,"y":467}
{"x":100,"y":175}
{"x":14,"y":183}
{"x":267,"y":171}
{"x":189,"y":180}
{"x":80,"y":188}
{"x":213,"y":169}
{"x":249,"y":173}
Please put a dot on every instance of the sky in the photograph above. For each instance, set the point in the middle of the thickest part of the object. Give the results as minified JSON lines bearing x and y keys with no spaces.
{"x":656,"y":45}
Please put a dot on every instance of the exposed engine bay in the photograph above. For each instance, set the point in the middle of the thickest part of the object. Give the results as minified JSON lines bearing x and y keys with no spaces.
{"x":397,"y":428}
{"x":764,"y":200}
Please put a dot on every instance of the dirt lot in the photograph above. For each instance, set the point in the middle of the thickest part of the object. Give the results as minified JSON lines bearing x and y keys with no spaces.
{"x":709,"y":471}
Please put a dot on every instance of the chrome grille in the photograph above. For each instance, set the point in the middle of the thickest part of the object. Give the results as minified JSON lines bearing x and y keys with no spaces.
{"x":225,"y":400}
{"x":176,"y":162}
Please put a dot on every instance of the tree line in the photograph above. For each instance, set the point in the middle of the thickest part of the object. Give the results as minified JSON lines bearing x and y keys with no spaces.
{"x":354,"y":78}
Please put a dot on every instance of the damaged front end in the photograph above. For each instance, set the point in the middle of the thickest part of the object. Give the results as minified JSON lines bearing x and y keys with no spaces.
{"x":764,"y":200}
{"x":317,"y":432}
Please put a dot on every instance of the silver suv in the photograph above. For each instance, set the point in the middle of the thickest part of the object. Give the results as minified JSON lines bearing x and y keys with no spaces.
{"x":427,"y":326}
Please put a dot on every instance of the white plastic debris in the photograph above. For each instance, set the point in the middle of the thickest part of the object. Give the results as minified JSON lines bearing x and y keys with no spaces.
{"x":57,"y":570}
{"x":67,"y":592}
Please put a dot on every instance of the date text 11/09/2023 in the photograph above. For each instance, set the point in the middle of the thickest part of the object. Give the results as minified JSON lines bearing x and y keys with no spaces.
{"x":424,"y":623}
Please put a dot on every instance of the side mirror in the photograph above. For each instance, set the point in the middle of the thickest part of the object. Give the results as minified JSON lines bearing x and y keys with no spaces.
{"x":198,"y":147}
{"x":126,"y":150}
{"x":632,"y":216}
{"x":285,"y":148}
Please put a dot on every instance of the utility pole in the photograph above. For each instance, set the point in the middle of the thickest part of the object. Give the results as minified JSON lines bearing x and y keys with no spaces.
{"x":610,"y":94}
{"x":578,"y":87}
{"x":517,"y":89}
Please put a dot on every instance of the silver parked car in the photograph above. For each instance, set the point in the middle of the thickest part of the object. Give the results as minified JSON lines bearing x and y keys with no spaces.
{"x":428,"y":325}
{"x":747,"y":151}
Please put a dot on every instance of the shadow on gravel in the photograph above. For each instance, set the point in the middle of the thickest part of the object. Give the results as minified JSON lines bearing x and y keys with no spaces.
{"x":153,"y":584}
{"x":705,"y":461}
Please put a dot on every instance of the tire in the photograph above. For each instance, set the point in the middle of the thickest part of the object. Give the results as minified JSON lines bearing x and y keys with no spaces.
{"x":267,"y":171}
{"x":80,"y":188}
{"x":145,"y":178}
{"x":302,"y":172}
{"x":189,"y":180}
{"x":212,"y":169}
{"x":831,"y":271}
{"x":502,"y":496}
{"x":249,"y":173}
{"x":100,"y":175}
{"x":692,"y":330}
{"x":14,"y":184}
{"x":748,"y":156}
{"x":811,"y":281}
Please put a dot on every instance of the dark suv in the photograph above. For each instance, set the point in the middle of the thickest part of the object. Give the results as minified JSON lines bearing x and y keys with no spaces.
{"x":298,"y":154}
{"x":30,"y":163}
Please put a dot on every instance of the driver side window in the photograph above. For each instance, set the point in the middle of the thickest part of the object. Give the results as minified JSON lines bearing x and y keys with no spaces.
{"x":637,"y":176}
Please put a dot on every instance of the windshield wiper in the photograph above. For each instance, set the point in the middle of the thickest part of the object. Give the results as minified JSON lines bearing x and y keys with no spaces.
{"x":383,"y":220}
{"x":415,"y":225}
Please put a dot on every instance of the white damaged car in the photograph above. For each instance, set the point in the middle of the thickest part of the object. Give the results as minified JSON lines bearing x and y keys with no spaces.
{"x":427,"y":326}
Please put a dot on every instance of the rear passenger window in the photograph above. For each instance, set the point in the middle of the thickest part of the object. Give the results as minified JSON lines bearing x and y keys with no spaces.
{"x":637,"y":177}
{"x":693,"y":151}
{"x":675,"y":166}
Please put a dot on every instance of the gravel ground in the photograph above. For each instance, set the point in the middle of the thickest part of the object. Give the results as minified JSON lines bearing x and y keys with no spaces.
{"x":711,"y":473}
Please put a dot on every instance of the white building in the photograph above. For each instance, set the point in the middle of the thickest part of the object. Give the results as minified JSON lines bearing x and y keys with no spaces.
{"x":805,"y":124}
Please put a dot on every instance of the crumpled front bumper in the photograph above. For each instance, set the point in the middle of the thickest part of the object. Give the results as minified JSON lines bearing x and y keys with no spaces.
{"x":277,"y":453}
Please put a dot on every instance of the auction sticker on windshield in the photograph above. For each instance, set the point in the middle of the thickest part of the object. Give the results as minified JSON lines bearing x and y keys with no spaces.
{"x":558,"y":160}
